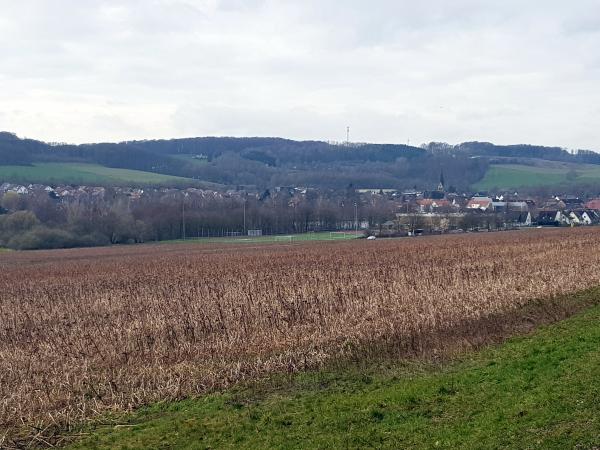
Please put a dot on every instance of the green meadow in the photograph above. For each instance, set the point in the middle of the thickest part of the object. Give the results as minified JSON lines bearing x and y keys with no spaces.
{"x":508,"y":176}
{"x":191,"y":159}
{"x":79,"y":173}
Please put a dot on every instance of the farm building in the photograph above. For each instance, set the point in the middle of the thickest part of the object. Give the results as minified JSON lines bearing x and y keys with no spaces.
{"x":593,"y":204}
{"x":481,"y":203}
{"x":430,"y":204}
{"x":518,"y":218}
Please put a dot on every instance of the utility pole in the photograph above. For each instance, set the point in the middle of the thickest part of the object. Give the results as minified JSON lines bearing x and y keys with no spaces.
{"x":355,"y":217}
{"x":245,"y":232}
{"x":183,"y":214}
{"x":348,"y":136}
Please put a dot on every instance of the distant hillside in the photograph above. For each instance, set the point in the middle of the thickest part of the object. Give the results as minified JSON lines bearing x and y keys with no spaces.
{"x":489,"y":150}
{"x":259,"y":162}
{"x":508,"y":176}
{"x":87,"y":174}
{"x":529,"y":167}
{"x":264,"y":163}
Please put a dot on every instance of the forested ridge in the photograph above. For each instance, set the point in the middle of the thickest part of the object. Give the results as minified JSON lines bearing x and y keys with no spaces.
{"x":264,"y":162}
{"x":259,"y":162}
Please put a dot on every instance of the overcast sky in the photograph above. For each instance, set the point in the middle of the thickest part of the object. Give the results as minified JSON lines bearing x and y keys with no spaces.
{"x":506,"y":71}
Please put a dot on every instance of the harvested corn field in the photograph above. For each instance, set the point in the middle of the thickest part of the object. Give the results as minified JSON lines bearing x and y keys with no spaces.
{"x":86,"y":332}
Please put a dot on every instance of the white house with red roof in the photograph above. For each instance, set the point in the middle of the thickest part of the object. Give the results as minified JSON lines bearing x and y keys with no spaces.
{"x":430,"y":204}
{"x":481,"y":203}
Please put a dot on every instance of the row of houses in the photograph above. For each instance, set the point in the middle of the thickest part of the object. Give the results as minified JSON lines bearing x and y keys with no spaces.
{"x":435,"y":211}
{"x":442,"y":222}
{"x":98,"y":193}
{"x":569,"y":218}
{"x":439,"y":211}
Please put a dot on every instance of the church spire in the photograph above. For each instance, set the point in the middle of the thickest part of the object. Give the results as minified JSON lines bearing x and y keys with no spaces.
{"x":441,"y":186}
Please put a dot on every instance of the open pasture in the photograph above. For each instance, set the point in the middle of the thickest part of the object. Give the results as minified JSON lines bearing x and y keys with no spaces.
{"x":92,"y":331}
{"x":507,"y":176}
{"x":81,"y":173}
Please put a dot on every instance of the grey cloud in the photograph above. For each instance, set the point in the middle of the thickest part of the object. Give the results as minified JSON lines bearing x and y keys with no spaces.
{"x":508,"y":71}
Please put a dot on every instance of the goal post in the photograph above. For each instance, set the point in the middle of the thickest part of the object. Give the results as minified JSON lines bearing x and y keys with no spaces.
{"x":340,"y":235}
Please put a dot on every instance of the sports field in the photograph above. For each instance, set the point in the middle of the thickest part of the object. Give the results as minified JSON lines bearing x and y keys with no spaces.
{"x":280,"y":238}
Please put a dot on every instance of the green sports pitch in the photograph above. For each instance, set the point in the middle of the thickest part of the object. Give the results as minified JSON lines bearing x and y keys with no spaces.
{"x":281,"y":239}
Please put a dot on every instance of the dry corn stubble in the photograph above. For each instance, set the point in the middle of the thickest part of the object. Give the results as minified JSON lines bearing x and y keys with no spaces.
{"x":83,"y":332}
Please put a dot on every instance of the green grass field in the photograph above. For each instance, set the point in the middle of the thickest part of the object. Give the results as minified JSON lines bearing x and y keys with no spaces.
{"x":78,"y":173}
{"x":282,"y":239}
{"x":540,"y":391}
{"x":190,"y":159}
{"x":506,"y":176}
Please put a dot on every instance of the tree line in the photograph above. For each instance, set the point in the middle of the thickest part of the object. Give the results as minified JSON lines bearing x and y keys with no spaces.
{"x":37,"y":221}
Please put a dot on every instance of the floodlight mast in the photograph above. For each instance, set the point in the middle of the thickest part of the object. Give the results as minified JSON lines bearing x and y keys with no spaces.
{"x":183,"y":218}
{"x":185,"y":195}
{"x":245,"y":215}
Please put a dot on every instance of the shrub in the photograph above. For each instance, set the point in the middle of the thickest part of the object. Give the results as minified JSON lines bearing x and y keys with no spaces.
{"x":43,"y":237}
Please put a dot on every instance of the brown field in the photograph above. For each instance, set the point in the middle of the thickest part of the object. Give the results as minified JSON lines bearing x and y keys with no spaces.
{"x":86,"y":332}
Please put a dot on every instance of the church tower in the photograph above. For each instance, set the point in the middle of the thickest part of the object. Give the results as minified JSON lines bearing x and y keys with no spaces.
{"x":441,"y":186}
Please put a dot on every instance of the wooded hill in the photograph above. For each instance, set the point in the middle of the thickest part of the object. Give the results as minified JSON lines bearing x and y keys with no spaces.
{"x":269,"y":162}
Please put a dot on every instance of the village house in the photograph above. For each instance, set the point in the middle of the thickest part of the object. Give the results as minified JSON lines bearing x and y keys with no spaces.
{"x":593,"y":204}
{"x":590,"y":217}
{"x":518,"y":219}
{"x":431,"y":205}
{"x":518,"y":206}
{"x":499,"y":206}
{"x":581,"y":217}
{"x":480,"y":203}
{"x":552,"y":218}
{"x":553,"y":204}
{"x":431,"y":222}
{"x":572,"y":202}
